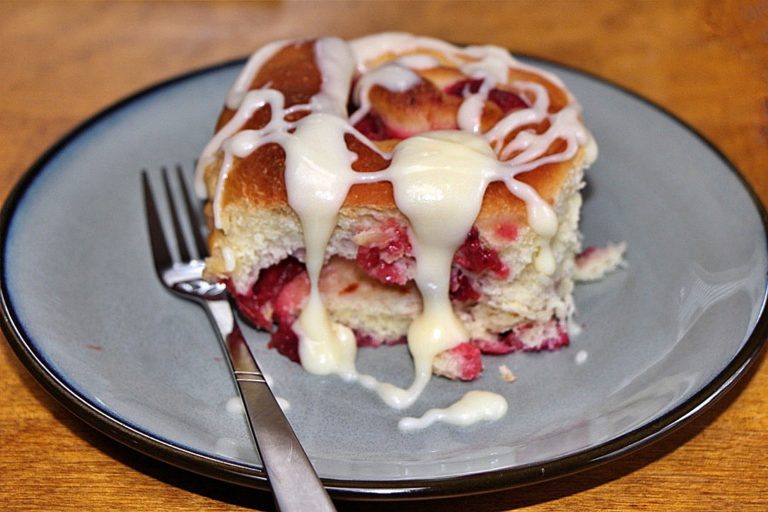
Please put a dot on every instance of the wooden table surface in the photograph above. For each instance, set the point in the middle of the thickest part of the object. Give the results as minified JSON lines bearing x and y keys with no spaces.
{"x":707,"y":62}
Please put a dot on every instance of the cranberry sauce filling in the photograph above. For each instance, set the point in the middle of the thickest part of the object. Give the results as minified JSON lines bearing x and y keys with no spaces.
{"x":506,"y":231}
{"x":274,"y":302}
{"x":463,"y":362}
{"x":461,"y":287}
{"x":373,"y":127}
{"x":366,"y":340}
{"x":473,"y":256}
{"x":257,"y":304}
{"x":583,"y":258}
{"x":285,"y":341}
{"x":528,"y":337}
{"x":506,"y":100}
{"x":469,"y":85}
{"x":387,"y":258}
{"x":476,"y":257}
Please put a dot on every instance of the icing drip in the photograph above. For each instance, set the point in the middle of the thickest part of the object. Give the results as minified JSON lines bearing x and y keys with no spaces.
{"x":473,"y":407}
{"x":318,"y":174}
{"x":439,"y":180}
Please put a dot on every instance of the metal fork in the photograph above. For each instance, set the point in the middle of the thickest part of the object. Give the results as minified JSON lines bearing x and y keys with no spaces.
{"x":295,"y":484}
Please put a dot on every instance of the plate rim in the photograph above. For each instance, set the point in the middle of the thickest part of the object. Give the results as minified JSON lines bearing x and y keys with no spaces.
{"x":250,"y":476}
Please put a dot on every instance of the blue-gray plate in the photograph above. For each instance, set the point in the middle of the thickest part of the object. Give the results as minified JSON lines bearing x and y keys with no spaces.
{"x":662,"y":338}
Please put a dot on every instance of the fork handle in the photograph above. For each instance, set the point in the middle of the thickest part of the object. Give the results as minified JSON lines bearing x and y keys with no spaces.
{"x":295,"y":484}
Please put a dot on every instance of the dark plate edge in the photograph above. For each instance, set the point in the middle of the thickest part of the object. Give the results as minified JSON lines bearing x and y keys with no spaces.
{"x":250,"y":476}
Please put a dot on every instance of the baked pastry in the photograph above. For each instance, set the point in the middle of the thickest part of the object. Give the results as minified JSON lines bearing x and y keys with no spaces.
{"x":397,"y":187}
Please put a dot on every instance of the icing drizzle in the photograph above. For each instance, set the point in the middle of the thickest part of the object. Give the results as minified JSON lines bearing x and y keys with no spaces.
{"x":439,"y":180}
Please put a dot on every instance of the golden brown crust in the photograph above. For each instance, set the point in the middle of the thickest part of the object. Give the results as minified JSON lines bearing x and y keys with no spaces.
{"x":292,"y":71}
{"x":258,"y":178}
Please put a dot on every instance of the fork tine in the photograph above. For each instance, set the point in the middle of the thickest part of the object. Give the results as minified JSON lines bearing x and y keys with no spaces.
{"x":160,"y":252}
{"x":180,"y":239}
{"x":202,"y":249}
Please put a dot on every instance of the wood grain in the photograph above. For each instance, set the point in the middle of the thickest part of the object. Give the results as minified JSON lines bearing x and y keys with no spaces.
{"x":706,"y":61}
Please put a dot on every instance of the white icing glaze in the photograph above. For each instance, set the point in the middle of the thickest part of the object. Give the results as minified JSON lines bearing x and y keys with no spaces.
{"x":368,"y":48}
{"x":439,"y":180}
{"x":318,"y":175}
{"x":492,"y":65}
{"x":245,"y":79}
{"x":473,"y":407}
{"x":249,"y":104}
{"x":471,"y":112}
{"x":336,"y":64}
{"x":417,"y":61}
{"x":391,"y":76}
